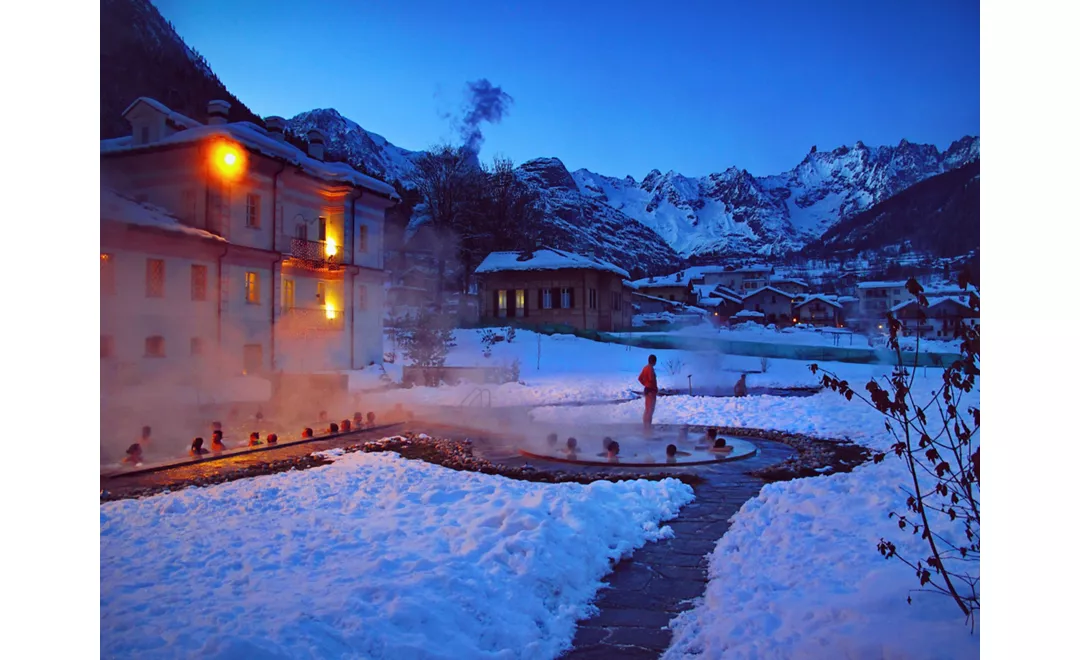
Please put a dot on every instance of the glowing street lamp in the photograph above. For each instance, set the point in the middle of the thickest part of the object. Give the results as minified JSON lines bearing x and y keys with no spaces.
{"x":331,"y":313}
{"x":228,"y":159}
{"x":331,"y":247}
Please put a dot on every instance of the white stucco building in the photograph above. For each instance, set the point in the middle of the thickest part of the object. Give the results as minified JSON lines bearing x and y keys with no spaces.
{"x":227,"y":251}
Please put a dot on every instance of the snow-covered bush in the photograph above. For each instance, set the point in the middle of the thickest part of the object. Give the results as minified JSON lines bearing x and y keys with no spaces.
{"x":426,"y":338}
{"x":674,"y":366}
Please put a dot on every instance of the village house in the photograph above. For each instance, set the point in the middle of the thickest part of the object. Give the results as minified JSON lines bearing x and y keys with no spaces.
{"x":818,"y":310}
{"x":944,"y":317}
{"x":719,"y":302}
{"x":877,"y":298}
{"x":741,"y":280}
{"x":773,"y":303}
{"x":677,"y":287}
{"x":226,"y":251}
{"x":791,"y":285}
{"x":553,"y":287}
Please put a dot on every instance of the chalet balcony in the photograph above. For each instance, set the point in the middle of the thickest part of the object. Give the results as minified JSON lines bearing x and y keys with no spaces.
{"x":315,"y":255}
{"x":301,"y":320}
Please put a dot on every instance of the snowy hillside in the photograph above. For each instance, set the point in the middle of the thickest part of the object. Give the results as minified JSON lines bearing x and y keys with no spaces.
{"x":581,"y":224}
{"x":347,"y":141}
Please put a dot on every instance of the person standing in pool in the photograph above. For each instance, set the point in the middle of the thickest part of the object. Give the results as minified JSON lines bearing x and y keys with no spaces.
{"x":647,"y":378}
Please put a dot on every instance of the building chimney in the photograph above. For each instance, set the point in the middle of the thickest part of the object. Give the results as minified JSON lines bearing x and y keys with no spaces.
{"x":275,"y":126}
{"x":316,"y":144}
{"x":218,"y":112}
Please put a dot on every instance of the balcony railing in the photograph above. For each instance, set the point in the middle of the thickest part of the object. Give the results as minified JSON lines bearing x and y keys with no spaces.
{"x":316,"y":254}
{"x":309,"y":319}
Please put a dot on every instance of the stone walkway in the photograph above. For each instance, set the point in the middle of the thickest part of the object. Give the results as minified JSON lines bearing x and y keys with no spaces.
{"x":661,"y":579}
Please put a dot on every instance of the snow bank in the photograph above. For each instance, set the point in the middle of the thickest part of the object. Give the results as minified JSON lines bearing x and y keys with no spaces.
{"x":371,"y":556}
{"x":797,"y":575}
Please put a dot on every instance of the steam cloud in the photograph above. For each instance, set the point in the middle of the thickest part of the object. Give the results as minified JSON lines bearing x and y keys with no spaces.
{"x":485,"y":103}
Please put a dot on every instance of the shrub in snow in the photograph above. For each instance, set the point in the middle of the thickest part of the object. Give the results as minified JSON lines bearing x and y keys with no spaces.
{"x":487,"y":340}
{"x":674,"y":366}
{"x":942,"y":503}
{"x":426,"y":338}
{"x":764,"y":364}
{"x":511,"y":333}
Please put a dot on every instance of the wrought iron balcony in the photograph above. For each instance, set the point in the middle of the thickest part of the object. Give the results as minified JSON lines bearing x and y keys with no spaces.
{"x":299,"y":320}
{"x":316,"y":254}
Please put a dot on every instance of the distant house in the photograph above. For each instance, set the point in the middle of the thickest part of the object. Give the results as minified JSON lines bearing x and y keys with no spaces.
{"x":676,"y":287}
{"x":741,"y":280}
{"x":877,"y":298}
{"x":791,"y":285}
{"x":944,"y":317}
{"x":819,"y":310}
{"x":720,"y":304}
{"x":773,"y":303}
{"x":548,"y":286}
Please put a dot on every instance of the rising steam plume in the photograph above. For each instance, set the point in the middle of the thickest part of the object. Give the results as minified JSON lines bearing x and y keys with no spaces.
{"x":484,"y":103}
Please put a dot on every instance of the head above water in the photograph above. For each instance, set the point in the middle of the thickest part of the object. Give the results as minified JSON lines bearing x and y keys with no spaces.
{"x":571,"y":443}
{"x":652,"y":360}
{"x":196,"y":444}
{"x":254,"y":435}
{"x":613,"y":449}
{"x":608,"y":442}
{"x":671,"y":449}
{"x":720,"y":443}
{"x":218,"y":435}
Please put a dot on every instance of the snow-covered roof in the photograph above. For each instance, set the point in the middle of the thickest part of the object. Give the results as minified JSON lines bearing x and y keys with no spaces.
{"x":749,"y":314}
{"x":175,"y":117}
{"x":545,"y":259}
{"x":819,"y":298}
{"x":756,"y":268}
{"x":846,"y":299}
{"x":257,"y":139}
{"x":117,"y":207}
{"x":788,"y":280}
{"x":767,"y":288}
{"x":663,"y":281}
{"x":628,"y":284}
{"x":934,"y":302}
{"x":881,"y":285}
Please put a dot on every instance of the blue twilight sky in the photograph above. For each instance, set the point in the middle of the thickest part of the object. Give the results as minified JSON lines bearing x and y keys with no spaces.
{"x":616,"y":87}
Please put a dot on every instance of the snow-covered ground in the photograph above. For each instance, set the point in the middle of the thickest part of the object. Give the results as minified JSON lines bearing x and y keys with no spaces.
{"x":371,"y":556}
{"x":798,"y":574}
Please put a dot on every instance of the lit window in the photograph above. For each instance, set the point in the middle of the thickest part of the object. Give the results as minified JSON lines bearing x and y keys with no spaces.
{"x":155,"y":278}
{"x":198,"y":282}
{"x":253,"y":219}
{"x":251,"y":288}
{"x":288,"y":292}
{"x":502,"y":300}
{"x":545,"y":297}
{"x":155,"y":346}
{"x":519,"y":302}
